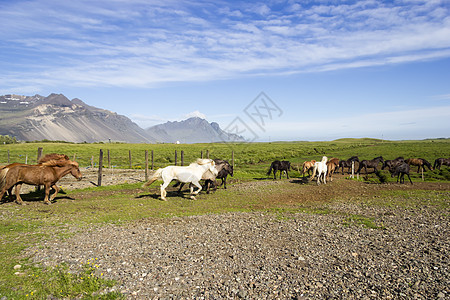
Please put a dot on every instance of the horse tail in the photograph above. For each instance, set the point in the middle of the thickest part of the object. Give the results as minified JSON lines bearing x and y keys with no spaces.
{"x":3,"y":173}
{"x":270,"y":169}
{"x":156,"y":176}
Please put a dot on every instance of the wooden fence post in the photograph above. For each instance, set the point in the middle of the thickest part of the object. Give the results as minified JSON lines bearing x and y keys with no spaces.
{"x":100,"y":168}
{"x":232,"y":159}
{"x":109,"y":160}
{"x":175,"y":157}
{"x":201,"y":154}
{"x":182,"y":158}
{"x":207,"y":154}
{"x":39,"y":154}
{"x":129,"y":158}
{"x":146,"y":165}
{"x":152,"y":161}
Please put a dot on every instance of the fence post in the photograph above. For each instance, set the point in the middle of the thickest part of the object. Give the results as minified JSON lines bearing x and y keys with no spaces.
{"x":92,"y":161}
{"x":109,"y":160}
{"x":39,"y":154}
{"x":201,"y":154}
{"x":232,"y":159}
{"x":26,"y":159}
{"x":182,"y":158}
{"x":207,"y":154}
{"x":146,"y":165}
{"x":175,"y":157}
{"x":353,"y":170}
{"x":129,"y":158}
{"x":100,"y":168}
{"x":152,"y":161}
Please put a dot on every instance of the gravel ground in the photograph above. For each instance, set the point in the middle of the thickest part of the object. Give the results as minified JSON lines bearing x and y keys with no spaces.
{"x":269,"y":256}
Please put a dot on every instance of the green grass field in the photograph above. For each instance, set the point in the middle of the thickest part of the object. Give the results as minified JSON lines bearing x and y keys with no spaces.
{"x":24,"y":226}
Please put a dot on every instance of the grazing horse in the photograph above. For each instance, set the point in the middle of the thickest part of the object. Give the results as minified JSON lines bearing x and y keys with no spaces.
{"x":320,"y":168}
{"x":279,"y":166}
{"x":392,"y":163}
{"x":370,"y":164}
{"x":420,"y":162}
{"x":400,"y":170}
{"x":192,"y":173}
{"x":441,"y":162}
{"x":307,"y":166}
{"x":348,"y":163}
{"x":46,"y":174}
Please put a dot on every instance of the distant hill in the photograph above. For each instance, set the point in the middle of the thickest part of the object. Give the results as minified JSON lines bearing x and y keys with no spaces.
{"x":192,"y":130}
{"x":56,"y":118}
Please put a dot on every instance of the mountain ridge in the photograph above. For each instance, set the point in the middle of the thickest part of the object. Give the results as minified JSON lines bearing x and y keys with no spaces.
{"x":55,"y":117}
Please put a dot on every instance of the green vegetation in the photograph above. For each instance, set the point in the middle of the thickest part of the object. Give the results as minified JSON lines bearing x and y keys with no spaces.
{"x":24,"y":226}
{"x":6,"y":139}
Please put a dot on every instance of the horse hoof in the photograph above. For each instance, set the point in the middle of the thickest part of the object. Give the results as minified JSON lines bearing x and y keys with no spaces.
{"x":20,"y":203}
{"x":48,"y":203}
{"x":193,"y":198}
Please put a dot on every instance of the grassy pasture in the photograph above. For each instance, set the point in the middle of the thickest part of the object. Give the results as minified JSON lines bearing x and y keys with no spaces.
{"x":23,"y":226}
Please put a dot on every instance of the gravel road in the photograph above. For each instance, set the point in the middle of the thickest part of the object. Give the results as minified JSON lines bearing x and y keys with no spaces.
{"x":269,"y":256}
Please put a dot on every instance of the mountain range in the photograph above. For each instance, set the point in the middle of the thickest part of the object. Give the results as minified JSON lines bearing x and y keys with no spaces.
{"x":56,"y":118}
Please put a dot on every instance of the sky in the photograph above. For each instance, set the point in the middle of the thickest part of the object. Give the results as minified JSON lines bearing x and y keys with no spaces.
{"x":268,"y":70}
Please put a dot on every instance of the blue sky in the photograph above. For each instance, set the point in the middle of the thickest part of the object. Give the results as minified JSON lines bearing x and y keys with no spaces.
{"x":333,"y":69}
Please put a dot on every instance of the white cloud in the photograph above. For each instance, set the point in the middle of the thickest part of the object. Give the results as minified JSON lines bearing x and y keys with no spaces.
{"x":195,"y":114}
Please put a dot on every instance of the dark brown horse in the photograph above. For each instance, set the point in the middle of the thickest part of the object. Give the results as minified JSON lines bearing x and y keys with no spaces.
{"x":46,"y":174}
{"x":348,"y":163}
{"x":441,"y":162}
{"x":370,"y":164}
{"x":279,"y":166}
{"x":392,"y":163}
{"x":420,"y":162}
{"x":400,"y":171}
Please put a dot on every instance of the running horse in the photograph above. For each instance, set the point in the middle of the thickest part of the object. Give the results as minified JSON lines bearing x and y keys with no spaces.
{"x":370,"y":164}
{"x":420,"y":162}
{"x":46,"y":174}
{"x":192,"y":174}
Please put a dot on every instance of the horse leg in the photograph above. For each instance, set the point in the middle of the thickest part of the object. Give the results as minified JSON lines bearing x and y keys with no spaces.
{"x":163,"y":191}
{"x":56,"y":188}
{"x":47,"y":193}
{"x":18,"y":199}
{"x":197,"y":184}
{"x":181,"y":186}
{"x":409,"y":178}
{"x":287,"y":174}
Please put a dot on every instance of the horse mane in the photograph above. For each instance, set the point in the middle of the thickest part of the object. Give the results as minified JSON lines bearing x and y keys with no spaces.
{"x":203,"y":161}
{"x":59,"y":163}
{"x":52,"y":156}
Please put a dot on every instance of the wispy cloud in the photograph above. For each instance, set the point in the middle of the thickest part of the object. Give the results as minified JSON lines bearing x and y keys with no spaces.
{"x":147,"y":43}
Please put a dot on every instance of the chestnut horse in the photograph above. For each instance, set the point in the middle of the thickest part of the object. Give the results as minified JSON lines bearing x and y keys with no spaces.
{"x":420,"y":162}
{"x":307,"y":166}
{"x":332,"y":167}
{"x":46,"y":174}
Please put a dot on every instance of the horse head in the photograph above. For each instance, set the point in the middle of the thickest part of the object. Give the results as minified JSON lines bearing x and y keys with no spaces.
{"x":75,"y":170}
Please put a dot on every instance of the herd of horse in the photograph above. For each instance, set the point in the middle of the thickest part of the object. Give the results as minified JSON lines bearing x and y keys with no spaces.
{"x":52,"y":167}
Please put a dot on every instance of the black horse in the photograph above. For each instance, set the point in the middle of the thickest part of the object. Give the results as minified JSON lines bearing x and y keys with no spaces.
{"x":392,"y":163}
{"x":400,"y":170}
{"x":279,"y":166}
{"x":347,"y":163}
{"x":225,"y":169}
{"x":370,"y":164}
{"x":441,"y":162}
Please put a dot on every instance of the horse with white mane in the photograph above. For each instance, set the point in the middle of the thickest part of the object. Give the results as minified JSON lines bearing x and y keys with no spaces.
{"x":192,"y":174}
{"x":320,"y":168}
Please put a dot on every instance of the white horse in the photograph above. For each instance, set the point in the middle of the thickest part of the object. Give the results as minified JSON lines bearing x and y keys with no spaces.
{"x":320,"y":167}
{"x":192,"y":173}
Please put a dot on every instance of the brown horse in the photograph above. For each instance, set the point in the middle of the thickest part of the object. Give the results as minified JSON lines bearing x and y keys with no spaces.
{"x":46,"y":174}
{"x":308,"y":166}
{"x":441,"y":162}
{"x":331,"y":168}
{"x":46,"y":158}
{"x":420,"y":162}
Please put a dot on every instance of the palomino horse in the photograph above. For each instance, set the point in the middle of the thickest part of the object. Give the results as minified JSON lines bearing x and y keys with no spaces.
{"x":420,"y":162}
{"x":441,"y":162}
{"x":192,"y":173}
{"x":400,"y":170}
{"x":307,"y":166}
{"x":348,"y":163}
{"x":46,"y":174}
{"x":279,"y":166}
{"x":320,"y":168}
{"x":370,"y":164}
